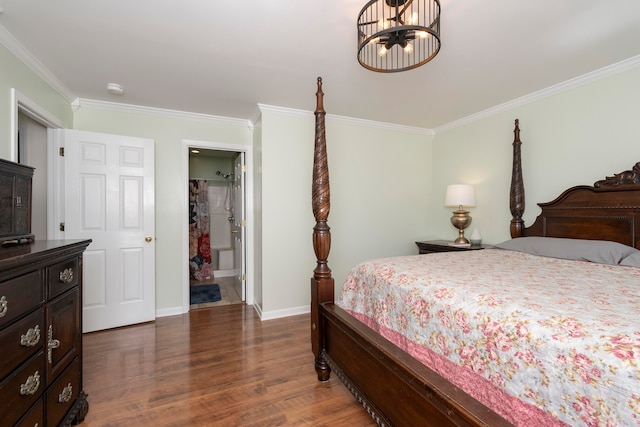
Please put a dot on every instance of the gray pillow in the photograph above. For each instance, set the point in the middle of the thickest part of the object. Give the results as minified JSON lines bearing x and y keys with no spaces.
{"x":601,"y":251}
{"x":632,"y":260}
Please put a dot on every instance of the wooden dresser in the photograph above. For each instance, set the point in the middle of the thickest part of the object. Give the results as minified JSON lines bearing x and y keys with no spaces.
{"x":41,"y":334}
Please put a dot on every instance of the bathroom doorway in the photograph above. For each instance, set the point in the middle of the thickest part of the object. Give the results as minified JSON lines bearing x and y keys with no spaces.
{"x":216,"y":225}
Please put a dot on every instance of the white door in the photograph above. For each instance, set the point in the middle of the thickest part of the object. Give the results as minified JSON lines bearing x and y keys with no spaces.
{"x":109,"y":198}
{"x":238,"y":228}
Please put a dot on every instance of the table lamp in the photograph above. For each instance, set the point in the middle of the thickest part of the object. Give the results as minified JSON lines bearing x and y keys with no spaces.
{"x":460,"y":195}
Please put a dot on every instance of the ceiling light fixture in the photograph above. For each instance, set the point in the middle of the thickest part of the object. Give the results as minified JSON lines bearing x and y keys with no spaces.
{"x":398,"y":35}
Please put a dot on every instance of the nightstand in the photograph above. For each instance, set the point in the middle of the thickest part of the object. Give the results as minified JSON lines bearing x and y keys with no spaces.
{"x":431,"y":246}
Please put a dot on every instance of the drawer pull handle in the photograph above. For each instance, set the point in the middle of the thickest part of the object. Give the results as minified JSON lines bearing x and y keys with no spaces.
{"x":66,"y":276}
{"x":31,"y":338}
{"x":31,"y":385}
{"x":51,"y":344}
{"x":4,"y":306}
{"x":66,"y":394}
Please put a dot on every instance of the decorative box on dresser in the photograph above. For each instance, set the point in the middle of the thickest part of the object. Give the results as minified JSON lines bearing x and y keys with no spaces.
{"x":15,"y":201}
{"x":41,"y":334}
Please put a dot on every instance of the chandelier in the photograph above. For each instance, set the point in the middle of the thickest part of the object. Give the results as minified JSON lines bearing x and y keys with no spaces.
{"x":398,"y":35}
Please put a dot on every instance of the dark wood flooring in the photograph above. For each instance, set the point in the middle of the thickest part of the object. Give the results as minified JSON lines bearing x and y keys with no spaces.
{"x":216,"y":366}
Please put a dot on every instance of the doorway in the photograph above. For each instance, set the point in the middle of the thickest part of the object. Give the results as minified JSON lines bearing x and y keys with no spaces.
{"x":215,"y":240}
{"x":31,"y":144}
{"x":32,"y":151}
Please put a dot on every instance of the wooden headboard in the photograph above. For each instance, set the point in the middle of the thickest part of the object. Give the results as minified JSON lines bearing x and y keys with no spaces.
{"x":608,"y":210}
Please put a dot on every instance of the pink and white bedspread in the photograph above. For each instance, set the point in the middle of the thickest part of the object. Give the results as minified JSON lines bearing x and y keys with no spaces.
{"x":541,"y":341}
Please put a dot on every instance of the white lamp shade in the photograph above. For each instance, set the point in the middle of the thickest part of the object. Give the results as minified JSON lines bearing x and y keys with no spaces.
{"x":460,"y":195}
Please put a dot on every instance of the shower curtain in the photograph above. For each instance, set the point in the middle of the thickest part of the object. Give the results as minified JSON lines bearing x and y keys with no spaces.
{"x":200,"y":266}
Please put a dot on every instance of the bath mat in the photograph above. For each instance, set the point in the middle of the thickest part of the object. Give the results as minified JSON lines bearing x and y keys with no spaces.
{"x":201,"y":294}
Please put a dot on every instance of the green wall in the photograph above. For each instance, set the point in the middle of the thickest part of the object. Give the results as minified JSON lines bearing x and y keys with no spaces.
{"x":205,"y":167}
{"x":574,"y":137}
{"x":380,"y":198}
{"x":14,"y":74}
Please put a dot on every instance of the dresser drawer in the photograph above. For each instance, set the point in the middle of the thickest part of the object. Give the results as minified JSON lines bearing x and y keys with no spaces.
{"x":61,"y":277}
{"x":33,"y":418}
{"x":63,"y":393}
{"x":21,"y":340}
{"x":19,"y":296}
{"x":22,"y":389}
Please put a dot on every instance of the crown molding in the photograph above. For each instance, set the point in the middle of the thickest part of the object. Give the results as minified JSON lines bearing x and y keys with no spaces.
{"x":161,"y":112}
{"x":602,"y":73}
{"x":292,"y":112}
{"x":21,"y":52}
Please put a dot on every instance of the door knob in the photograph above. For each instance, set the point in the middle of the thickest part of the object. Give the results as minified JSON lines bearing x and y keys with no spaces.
{"x":148,"y":239}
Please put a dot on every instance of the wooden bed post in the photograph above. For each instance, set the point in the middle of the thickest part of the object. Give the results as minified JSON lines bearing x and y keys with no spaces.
{"x":516,"y":194}
{"x":322,"y":284}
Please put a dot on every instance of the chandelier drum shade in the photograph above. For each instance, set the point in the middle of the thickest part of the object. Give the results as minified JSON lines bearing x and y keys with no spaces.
{"x":398,"y":35}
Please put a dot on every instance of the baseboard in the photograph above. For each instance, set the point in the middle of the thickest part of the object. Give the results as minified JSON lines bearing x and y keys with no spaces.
{"x":258,"y":310}
{"x":277,"y":314}
{"x":264,"y":315}
{"x":171,"y":311}
{"x":223,"y":273}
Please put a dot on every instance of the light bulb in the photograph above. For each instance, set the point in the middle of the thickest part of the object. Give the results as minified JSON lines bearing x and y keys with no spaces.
{"x":383,"y":24}
{"x":413,"y":19}
{"x":382,"y":51}
{"x":408,"y":48}
{"x":420,"y":34}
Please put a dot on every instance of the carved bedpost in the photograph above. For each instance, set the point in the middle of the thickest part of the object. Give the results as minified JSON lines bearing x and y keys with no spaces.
{"x":516,"y":195}
{"x":322,"y":289}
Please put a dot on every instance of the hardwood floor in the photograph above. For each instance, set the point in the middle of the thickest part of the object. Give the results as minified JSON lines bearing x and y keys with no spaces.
{"x":216,"y":366}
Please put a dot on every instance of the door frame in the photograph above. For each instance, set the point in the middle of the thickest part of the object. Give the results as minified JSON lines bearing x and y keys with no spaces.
{"x":22,"y":104}
{"x":248,"y":190}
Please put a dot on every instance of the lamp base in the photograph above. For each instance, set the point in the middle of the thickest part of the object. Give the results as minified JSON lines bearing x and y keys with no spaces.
{"x":461,"y":220}
{"x":461,"y":240}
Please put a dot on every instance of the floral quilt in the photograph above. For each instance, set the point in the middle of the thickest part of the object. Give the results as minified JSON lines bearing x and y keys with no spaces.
{"x":541,"y":341}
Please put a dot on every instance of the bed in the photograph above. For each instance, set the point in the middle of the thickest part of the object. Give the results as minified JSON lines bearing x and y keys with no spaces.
{"x":411,"y":383}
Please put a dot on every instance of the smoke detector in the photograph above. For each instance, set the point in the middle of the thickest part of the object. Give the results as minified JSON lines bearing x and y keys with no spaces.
{"x":115,"y":88}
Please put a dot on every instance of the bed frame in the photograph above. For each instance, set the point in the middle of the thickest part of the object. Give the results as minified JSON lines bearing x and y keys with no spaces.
{"x":392,"y":386}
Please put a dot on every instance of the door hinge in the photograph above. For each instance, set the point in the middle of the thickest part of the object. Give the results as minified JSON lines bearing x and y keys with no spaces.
{"x":244,"y":276}
{"x":62,"y":226}
{"x":244,"y":168}
{"x":61,"y":152}
{"x":244,"y":222}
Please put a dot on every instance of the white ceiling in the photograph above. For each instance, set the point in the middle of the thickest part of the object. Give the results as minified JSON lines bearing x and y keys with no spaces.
{"x":225,"y":57}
